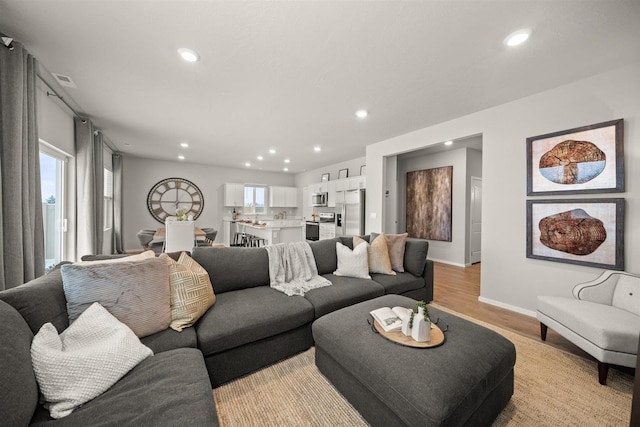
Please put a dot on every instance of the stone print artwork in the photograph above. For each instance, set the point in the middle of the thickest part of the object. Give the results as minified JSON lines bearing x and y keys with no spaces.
{"x":574,"y":232}
{"x":572,"y":162}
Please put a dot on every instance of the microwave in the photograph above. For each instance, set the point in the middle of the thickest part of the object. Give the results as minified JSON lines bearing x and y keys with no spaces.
{"x":319,"y":199}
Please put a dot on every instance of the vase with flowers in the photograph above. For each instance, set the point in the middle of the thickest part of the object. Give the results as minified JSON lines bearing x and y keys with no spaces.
{"x":181,"y":214}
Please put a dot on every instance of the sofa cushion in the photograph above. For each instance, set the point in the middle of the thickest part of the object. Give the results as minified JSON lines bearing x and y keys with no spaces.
{"x":607,"y":327}
{"x":191,"y":291}
{"x":136,"y":293}
{"x":344,"y":291}
{"x":396,"y":244}
{"x":324,"y":251}
{"x":168,"y":339}
{"x":97,"y":346}
{"x":40,"y":301}
{"x":415,"y":255}
{"x":168,"y":389}
{"x":234,"y":268}
{"x":248,"y":315}
{"x":18,"y":388}
{"x":400,"y":283}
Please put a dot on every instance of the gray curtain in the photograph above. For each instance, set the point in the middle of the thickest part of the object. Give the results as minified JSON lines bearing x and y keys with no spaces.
{"x":117,"y":204}
{"x":89,"y":188}
{"x":21,"y":227}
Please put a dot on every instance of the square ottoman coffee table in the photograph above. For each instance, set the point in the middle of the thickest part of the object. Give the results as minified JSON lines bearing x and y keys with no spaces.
{"x":466,"y":381}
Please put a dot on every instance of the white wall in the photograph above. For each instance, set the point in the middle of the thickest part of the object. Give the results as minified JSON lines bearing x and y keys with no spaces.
{"x":508,"y":278}
{"x":139,"y":175}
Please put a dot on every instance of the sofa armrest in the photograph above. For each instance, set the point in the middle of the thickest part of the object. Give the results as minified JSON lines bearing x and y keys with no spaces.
{"x":427,"y":274}
{"x":599,"y":290}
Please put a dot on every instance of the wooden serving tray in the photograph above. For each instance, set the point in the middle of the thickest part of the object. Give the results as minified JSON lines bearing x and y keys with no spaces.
{"x":437,"y":337}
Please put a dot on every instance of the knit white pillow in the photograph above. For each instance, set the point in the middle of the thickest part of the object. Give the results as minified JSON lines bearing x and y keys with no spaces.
{"x":353,"y":263}
{"x":85,"y":360}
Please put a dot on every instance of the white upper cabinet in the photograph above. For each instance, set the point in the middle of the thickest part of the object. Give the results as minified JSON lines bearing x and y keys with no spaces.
{"x":331,"y":194}
{"x":358,"y":183}
{"x":233,"y":194}
{"x":283,"y":197}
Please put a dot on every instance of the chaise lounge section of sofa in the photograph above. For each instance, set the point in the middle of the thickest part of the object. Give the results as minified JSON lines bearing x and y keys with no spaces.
{"x":250,"y":326}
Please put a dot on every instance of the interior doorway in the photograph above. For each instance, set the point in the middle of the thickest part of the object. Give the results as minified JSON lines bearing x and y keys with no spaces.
{"x":475,"y":229}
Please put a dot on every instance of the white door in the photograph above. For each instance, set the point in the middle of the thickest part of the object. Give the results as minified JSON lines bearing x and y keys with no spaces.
{"x":476,"y":220}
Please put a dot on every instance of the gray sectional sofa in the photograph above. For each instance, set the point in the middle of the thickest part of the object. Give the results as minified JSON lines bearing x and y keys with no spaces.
{"x":250,"y":326}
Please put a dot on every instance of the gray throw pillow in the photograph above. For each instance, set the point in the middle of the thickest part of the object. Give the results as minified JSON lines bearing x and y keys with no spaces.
{"x":136,"y":293}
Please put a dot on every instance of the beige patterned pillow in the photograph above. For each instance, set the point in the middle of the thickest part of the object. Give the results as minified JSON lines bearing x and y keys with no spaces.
{"x":191,"y":291}
{"x":378,"y":254}
{"x":396,"y":244}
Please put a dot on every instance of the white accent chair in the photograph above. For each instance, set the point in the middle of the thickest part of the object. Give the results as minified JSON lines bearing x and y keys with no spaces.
{"x":603,"y":319}
{"x":180,"y":236}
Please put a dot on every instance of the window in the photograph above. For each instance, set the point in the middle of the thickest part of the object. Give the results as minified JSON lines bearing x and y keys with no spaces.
{"x":254,"y":197}
{"x":108,"y":200}
{"x":52,"y":169}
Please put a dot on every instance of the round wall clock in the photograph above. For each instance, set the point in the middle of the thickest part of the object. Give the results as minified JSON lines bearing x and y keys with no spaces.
{"x":168,"y":195}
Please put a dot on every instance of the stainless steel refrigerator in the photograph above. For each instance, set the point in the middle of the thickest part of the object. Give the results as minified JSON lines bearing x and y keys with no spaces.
{"x":350,"y":213}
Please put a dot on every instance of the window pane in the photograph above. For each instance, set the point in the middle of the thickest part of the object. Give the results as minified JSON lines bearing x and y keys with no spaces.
{"x":260,"y":192}
{"x":51,"y":182}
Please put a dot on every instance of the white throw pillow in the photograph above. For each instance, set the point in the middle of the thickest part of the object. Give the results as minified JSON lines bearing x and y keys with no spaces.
{"x":85,"y":360}
{"x":353,"y":263}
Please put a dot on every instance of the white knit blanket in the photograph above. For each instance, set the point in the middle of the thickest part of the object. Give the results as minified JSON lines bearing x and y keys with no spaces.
{"x":85,"y":360}
{"x":292,"y":268}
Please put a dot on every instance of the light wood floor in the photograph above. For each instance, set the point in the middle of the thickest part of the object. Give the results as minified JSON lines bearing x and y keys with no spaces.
{"x":458,"y":288}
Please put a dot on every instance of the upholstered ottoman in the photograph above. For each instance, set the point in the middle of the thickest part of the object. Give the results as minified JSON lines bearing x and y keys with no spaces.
{"x":466,"y":381}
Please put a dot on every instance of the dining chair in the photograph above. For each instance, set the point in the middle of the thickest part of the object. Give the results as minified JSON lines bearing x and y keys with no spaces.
{"x":180,"y":236}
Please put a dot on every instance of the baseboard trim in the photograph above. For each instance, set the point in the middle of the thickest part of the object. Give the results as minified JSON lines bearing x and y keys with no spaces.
{"x":457,"y":264}
{"x":508,"y":306}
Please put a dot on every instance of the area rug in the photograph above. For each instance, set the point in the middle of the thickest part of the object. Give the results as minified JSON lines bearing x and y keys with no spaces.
{"x":552,"y":388}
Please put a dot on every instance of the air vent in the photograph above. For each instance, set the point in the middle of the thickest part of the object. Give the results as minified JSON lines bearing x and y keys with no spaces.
{"x":64,"y":80}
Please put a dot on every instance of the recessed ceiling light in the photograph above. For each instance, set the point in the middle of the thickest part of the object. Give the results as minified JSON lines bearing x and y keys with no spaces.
{"x":181,"y":157}
{"x":260,"y":158}
{"x":317,"y":149}
{"x":517,"y":37}
{"x":286,"y":169}
{"x":448,"y":143}
{"x":184,"y":145}
{"x":188,"y":55}
{"x":247,"y":164}
{"x":362,"y":114}
{"x":126,"y":144}
{"x":272,"y":151}
{"x":287,"y":161}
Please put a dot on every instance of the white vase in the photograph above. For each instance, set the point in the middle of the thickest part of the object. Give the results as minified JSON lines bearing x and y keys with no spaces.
{"x":421,"y":330}
{"x":406,"y":329}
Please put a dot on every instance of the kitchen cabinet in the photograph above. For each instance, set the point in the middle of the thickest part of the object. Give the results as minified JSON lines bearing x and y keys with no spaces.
{"x":331,"y":194}
{"x":283,"y":197}
{"x":342,"y":184}
{"x":233,"y":194}
{"x":358,"y":183}
{"x":319,"y":187}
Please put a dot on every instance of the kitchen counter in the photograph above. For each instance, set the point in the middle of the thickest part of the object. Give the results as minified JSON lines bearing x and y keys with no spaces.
{"x":273,"y":231}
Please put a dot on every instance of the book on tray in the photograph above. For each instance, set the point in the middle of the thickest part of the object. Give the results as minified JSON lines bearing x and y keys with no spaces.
{"x":390,"y":319}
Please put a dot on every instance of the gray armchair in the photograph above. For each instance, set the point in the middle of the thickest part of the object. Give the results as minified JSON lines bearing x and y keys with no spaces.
{"x":602,"y":318}
{"x":210,"y":237}
{"x":145,"y":237}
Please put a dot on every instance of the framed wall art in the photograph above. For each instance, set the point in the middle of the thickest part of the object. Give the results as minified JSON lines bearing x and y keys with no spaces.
{"x":324,"y":177}
{"x":577,"y":231}
{"x":343,"y":173}
{"x":588,"y":159}
{"x":429,"y":200}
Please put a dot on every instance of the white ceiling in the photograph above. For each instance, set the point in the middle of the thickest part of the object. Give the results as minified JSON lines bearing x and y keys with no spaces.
{"x":290,"y":75}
